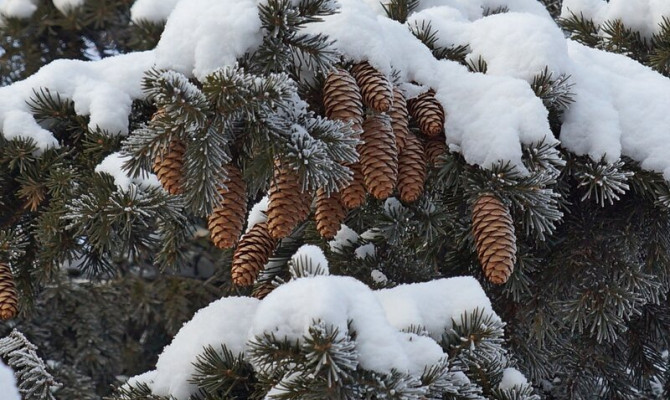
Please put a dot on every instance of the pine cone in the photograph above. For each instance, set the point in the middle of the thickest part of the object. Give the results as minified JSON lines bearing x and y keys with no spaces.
{"x":262,"y":290}
{"x":428,"y":112}
{"x":411,"y":170}
{"x":375,"y":88}
{"x":399,"y":119}
{"x":379,"y":156}
{"x":353,"y":195}
{"x":251,"y":255}
{"x":329,"y":213}
{"x":226,"y":221}
{"x":342,"y":98}
{"x":435,"y":148}
{"x":9,"y":298}
{"x":288,"y":205}
{"x":168,"y":165}
{"x":493,"y":230}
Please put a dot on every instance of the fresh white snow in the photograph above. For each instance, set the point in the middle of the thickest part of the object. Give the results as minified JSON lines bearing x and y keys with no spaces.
{"x":112,"y":165}
{"x":512,"y":377}
{"x":258,"y":214}
{"x":155,"y":11}
{"x":289,"y":311}
{"x":641,"y":15}
{"x":17,"y":8}
{"x":8,"y":383}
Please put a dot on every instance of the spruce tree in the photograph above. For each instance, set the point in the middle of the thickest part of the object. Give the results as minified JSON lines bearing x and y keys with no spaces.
{"x":288,"y":152}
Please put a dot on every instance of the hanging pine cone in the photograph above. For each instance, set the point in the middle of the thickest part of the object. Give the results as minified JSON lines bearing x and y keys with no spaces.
{"x":329,"y":213}
{"x":9,"y":298}
{"x":226,"y":221}
{"x":251,"y":255}
{"x":435,"y":147}
{"x":399,"y":119}
{"x":167,"y":166}
{"x":493,"y":230}
{"x":428,"y":113}
{"x":411,"y":170}
{"x":288,"y":205}
{"x":342,"y":98}
{"x":262,"y":290}
{"x":379,"y":156}
{"x":353,"y":195}
{"x":375,"y":88}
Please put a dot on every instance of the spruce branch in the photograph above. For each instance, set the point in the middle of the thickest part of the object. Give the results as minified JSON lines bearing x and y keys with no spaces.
{"x":603,"y":181}
{"x":399,"y":10}
{"x":34,"y":381}
{"x":222,"y":373}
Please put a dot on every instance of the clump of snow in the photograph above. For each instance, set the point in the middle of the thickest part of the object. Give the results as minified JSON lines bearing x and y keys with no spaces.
{"x":308,"y":260}
{"x":203,"y":35}
{"x":512,"y":377}
{"x":113,"y":165}
{"x":152,"y":10}
{"x":21,"y":124}
{"x":290,"y":310}
{"x":8,"y":383}
{"x":345,"y":237}
{"x":366,"y":250}
{"x":378,"y":277}
{"x":224,"y":321}
{"x":449,"y":298}
{"x":643,"y":16}
{"x":65,"y":6}
{"x":17,"y":8}
{"x":392,"y":205}
{"x":258,"y":214}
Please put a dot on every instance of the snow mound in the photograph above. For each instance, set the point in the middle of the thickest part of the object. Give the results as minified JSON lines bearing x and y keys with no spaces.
{"x":640,"y":15}
{"x":292,"y":308}
{"x":17,"y":8}
{"x":8,"y":383}
{"x":155,"y":11}
{"x":112,"y":165}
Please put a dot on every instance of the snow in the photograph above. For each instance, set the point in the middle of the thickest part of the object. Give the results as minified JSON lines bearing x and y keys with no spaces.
{"x":8,"y":383}
{"x":512,"y":377}
{"x":258,"y":214}
{"x":112,"y":165}
{"x":203,"y":35}
{"x":378,"y":277}
{"x":345,"y":237}
{"x":640,"y":15}
{"x":433,"y":305}
{"x":65,"y":6}
{"x":224,"y":321}
{"x":366,"y":250}
{"x":290,"y":310}
{"x":17,"y":8}
{"x":309,"y":253}
{"x":155,"y":11}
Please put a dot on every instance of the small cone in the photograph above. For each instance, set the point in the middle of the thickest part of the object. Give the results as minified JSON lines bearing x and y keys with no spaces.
{"x":379,"y":156}
{"x":428,"y":113}
{"x":411,"y":170}
{"x":288,"y":205}
{"x":226,"y":221}
{"x":435,"y":148}
{"x":329,"y":213}
{"x":375,"y":88}
{"x":251,"y":255}
{"x":399,"y":119}
{"x":495,"y":240}
{"x":167,"y":166}
{"x":342,"y":98}
{"x":262,"y":290}
{"x":9,"y":298}
{"x":353,"y":195}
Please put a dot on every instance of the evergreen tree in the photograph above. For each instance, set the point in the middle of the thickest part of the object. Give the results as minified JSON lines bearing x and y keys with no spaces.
{"x":111,"y":240}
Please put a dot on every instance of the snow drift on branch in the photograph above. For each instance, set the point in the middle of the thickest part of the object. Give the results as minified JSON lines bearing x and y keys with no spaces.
{"x":289,"y":311}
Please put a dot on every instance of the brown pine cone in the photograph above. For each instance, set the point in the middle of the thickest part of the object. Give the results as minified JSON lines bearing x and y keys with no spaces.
{"x":288,"y":205}
{"x":379,"y":156}
{"x":495,"y":240}
{"x":435,"y":148}
{"x":399,"y":119}
{"x":428,"y":113}
{"x":262,"y":290}
{"x":411,"y":170}
{"x":168,"y":166}
{"x":353,"y":195}
{"x":9,"y":297}
{"x":251,"y":255}
{"x":375,"y":88}
{"x":342,"y":98}
{"x":329,"y":213}
{"x":226,"y":221}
